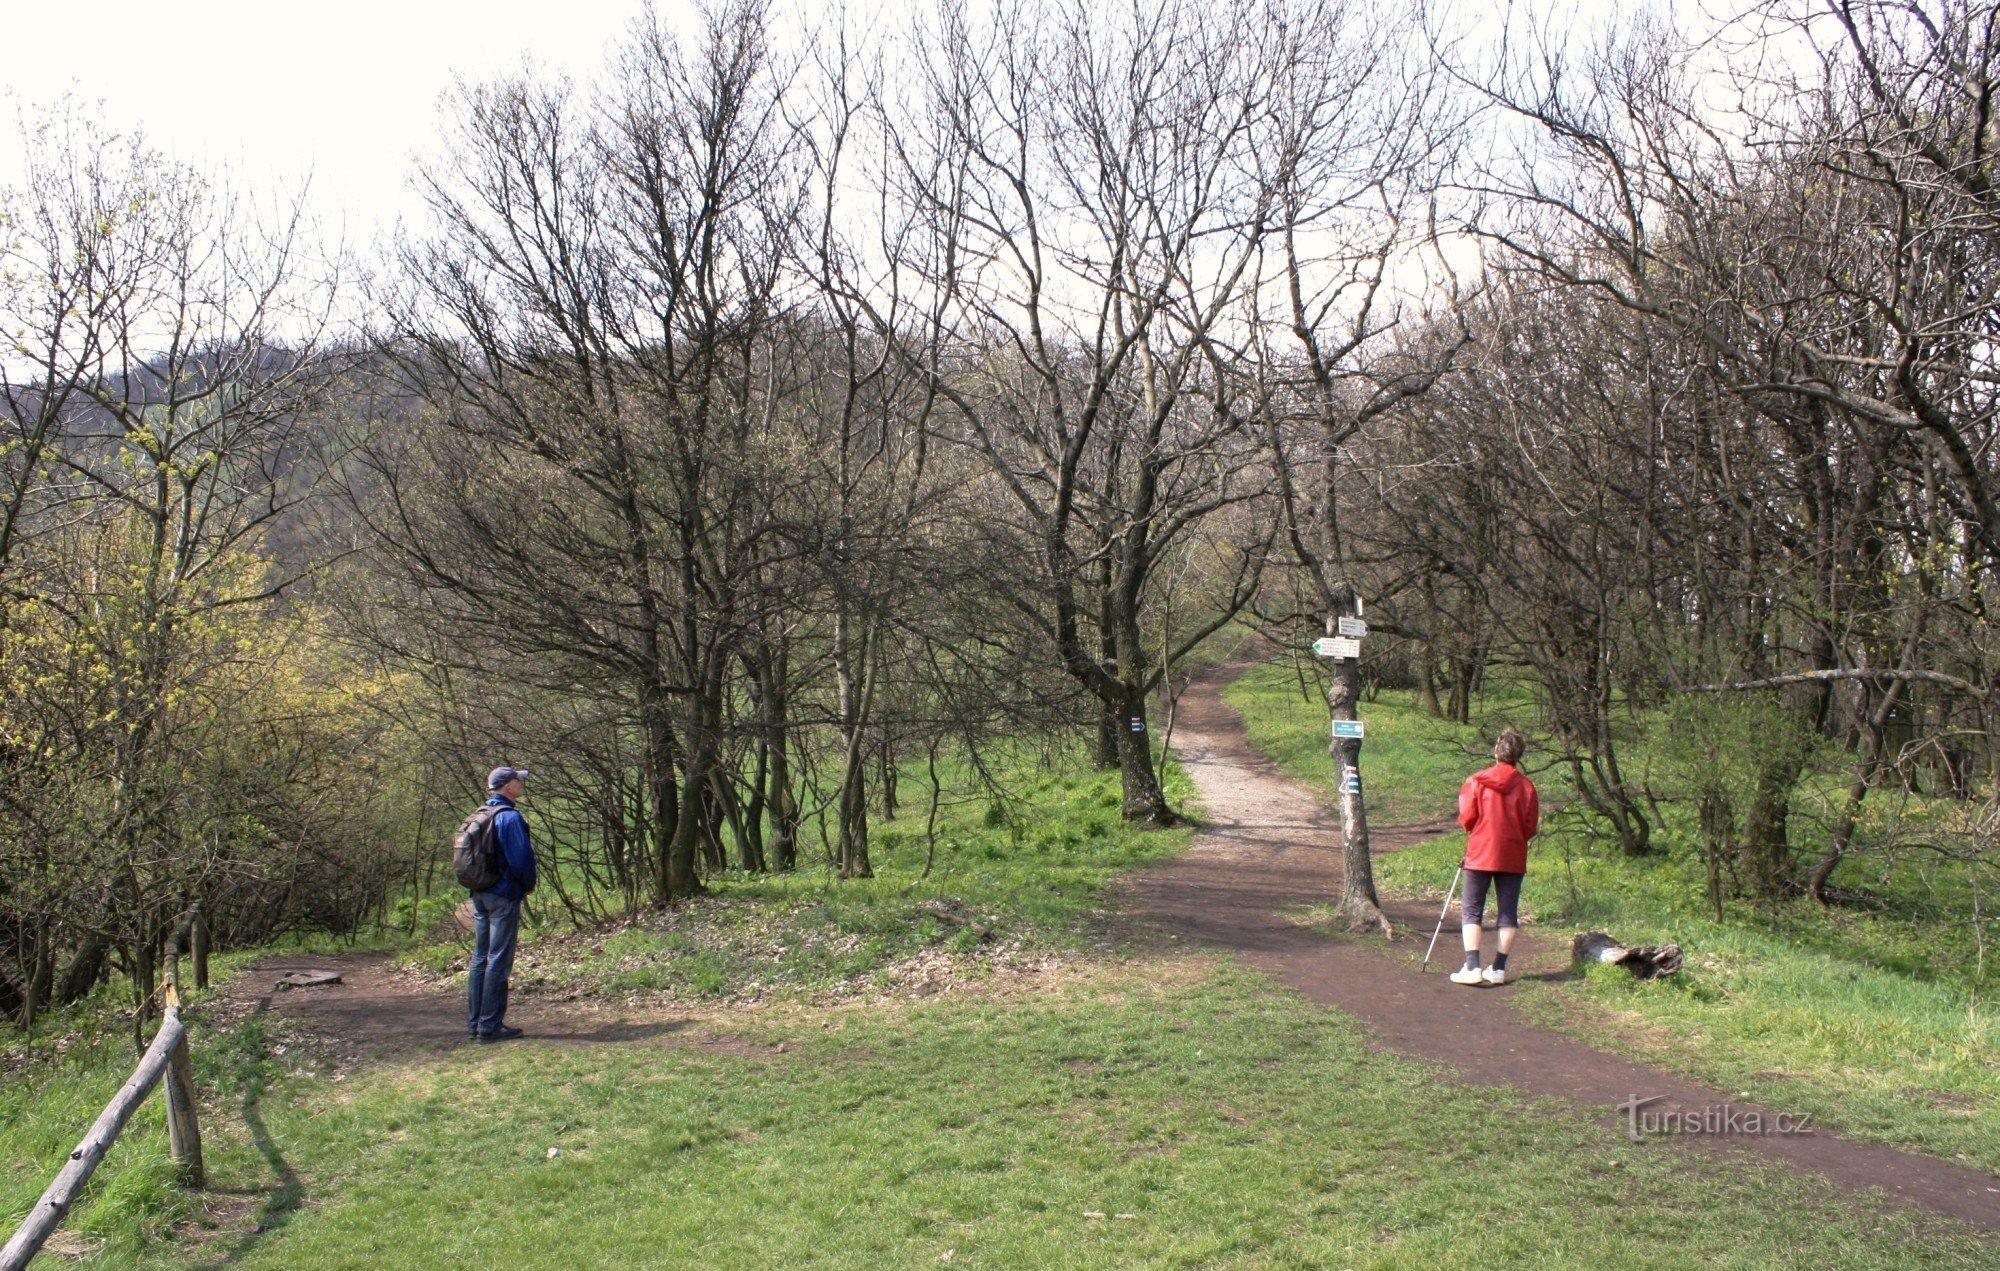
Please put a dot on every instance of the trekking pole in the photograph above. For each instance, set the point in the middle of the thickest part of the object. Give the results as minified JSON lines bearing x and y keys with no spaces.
{"x":1458,"y":874}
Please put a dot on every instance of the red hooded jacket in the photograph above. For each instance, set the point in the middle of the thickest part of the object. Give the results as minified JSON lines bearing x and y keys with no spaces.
{"x":1500,"y":811}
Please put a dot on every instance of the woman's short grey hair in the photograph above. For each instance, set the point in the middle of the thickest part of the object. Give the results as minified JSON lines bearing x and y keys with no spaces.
{"x":1509,"y":746}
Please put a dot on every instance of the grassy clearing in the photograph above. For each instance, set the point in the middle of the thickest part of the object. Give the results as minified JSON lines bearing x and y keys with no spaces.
{"x":1012,"y":883}
{"x":1012,"y":880}
{"x":1208,"y":1119}
{"x":1874,"y":1020}
{"x":1235,"y":1125}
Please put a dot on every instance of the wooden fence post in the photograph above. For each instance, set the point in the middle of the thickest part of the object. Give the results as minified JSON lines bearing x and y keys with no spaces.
{"x":167,"y":1053}
{"x":199,"y":938}
{"x":183,"y":1128}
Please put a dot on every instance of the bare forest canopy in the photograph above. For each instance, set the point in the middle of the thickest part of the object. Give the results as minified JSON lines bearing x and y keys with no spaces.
{"x":788,"y":408}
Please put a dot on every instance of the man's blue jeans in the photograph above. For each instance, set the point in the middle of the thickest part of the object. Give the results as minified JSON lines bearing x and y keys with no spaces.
{"x":496,"y":920}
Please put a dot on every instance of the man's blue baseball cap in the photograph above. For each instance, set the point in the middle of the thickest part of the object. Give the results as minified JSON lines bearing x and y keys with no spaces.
{"x":502,"y":775}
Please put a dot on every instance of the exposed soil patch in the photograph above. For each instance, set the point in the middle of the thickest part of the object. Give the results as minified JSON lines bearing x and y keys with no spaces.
{"x":379,"y":1013}
{"x":1270,"y":847}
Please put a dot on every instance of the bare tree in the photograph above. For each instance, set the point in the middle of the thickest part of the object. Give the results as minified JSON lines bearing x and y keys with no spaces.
{"x":1091,"y":234}
{"x":594,"y":323}
{"x":1354,"y":143}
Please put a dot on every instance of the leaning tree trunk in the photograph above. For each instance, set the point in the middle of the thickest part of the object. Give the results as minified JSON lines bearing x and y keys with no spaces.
{"x":1867,"y":765}
{"x":84,"y":969}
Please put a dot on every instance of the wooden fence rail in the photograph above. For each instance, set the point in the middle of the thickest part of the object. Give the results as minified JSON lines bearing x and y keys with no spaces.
{"x":166,"y":1058}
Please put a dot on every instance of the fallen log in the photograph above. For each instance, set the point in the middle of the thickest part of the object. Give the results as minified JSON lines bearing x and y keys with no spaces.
{"x":1648,"y":962}
{"x":308,"y":979}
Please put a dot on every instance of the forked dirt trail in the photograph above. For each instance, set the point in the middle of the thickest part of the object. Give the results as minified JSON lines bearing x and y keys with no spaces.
{"x":1270,"y":847}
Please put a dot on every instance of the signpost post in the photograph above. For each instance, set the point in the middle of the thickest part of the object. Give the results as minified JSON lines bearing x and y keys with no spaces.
{"x":1345,"y":629}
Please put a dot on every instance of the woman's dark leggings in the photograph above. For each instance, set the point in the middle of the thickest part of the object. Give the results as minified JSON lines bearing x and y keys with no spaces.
{"x":1506,"y":891}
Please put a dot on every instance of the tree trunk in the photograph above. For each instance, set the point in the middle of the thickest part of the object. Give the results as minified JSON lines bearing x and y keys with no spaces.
{"x":888,"y":781}
{"x":780,"y":803}
{"x":677,"y":802}
{"x":751,"y":832}
{"x":784,"y":808}
{"x":1458,"y":705}
{"x":680,"y":877}
{"x":855,"y":665}
{"x":1718,"y":830}
{"x":1145,"y":801}
{"x":198,"y":944}
{"x":41,"y":974}
{"x":1360,"y":908}
{"x":1764,"y":847}
{"x":1105,"y":753}
{"x":1868,"y":764}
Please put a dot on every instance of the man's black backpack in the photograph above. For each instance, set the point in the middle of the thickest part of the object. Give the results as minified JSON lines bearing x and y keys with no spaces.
{"x":475,"y":850}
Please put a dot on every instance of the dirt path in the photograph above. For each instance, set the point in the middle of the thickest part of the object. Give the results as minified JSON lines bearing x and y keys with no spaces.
{"x":375,"y":1014}
{"x":1270,"y":846}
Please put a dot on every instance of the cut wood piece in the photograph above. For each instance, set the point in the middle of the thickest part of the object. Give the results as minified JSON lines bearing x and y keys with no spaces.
{"x":1648,"y":962}
{"x":308,"y":979}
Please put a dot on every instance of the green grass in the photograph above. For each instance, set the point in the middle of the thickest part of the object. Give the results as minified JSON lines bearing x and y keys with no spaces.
{"x":1795,"y":1011}
{"x":1023,"y":875}
{"x":1235,"y":1125}
{"x":1019,"y":876}
{"x":1411,"y":764}
{"x":59,"y":1080}
{"x":1873,"y":1020}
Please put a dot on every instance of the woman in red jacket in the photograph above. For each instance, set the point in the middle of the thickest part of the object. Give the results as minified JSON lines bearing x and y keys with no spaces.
{"x":1500,"y":812}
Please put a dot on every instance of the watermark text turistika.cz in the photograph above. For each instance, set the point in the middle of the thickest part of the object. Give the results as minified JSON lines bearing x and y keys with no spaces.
{"x":1708,"y":1119}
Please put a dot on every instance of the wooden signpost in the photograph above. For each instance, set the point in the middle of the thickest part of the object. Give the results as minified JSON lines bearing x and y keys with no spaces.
{"x":1345,"y":629}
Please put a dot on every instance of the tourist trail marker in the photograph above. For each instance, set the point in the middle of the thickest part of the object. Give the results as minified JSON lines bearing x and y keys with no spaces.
{"x":1337,"y":647}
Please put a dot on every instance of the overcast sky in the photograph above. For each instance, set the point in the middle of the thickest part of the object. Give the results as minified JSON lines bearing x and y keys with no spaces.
{"x":343,"y":92}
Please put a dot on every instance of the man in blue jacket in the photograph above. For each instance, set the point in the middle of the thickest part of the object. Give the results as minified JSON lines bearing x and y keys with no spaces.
{"x":496,"y":912}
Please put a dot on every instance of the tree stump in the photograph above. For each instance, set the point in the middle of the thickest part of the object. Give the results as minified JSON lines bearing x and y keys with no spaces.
{"x":1647,"y":962}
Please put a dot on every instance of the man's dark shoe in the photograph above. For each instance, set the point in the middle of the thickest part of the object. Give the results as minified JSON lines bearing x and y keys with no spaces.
{"x":500,"y":1034}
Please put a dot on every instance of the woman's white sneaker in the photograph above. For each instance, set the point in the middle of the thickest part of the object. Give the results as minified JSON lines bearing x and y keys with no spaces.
{"x":1468,"y":975}
{"x":1496,"y":975}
